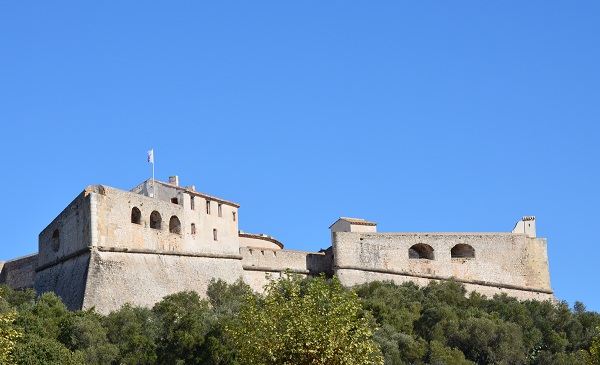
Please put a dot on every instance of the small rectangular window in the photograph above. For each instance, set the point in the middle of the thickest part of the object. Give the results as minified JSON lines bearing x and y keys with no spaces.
{"x":174,"y":201}
{"x":208,"y":207}
{"x":215,"y":234}
{"x":193,"y":228}
{"x":234,"y":216}
{"x":220,"y":208}
{"x":192,"y":203}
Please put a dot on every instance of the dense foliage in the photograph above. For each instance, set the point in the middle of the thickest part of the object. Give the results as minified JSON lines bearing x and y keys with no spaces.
{"x":310,"y":321}
{"x":314,"y":322}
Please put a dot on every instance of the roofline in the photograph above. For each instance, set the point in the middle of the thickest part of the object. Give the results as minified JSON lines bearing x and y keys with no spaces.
{"x":197,"y":193}
{"x":261,"y":237}
{"x":357,"y":221}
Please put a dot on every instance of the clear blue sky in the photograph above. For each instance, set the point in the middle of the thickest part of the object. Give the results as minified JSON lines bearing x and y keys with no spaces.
{"x":420,"y":115}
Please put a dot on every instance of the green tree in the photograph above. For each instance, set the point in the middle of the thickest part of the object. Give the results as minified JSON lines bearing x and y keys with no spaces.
{"x":184,"y":320}
{"x":85,"y":334}
{"x":43,"y":323}
{"x":595,"y":348}
{"x":134,"y":330}
{"x":8,"y":337}
{"x":305,"y":322}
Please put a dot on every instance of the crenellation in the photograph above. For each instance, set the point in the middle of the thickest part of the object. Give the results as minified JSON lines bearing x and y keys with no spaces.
{"x":109,"y":247}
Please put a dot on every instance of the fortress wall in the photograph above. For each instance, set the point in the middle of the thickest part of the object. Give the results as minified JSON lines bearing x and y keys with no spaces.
{"x":258,"y":262}
{"x":356,"y":277}
{"x":66,"y":278}
{"x":19,"y":273}
{"x":221,"y":218}
{"x":68,"y":233}
{"x":537,"y":269}
{"x":208,"y":213}
{"x":499,"y":257}
{"x":115,"y":228}
{"x":142,"y":279}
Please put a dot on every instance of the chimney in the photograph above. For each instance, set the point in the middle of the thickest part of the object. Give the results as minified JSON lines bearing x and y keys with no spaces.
{"x":526,"y":225}
{"x":174,"y":180}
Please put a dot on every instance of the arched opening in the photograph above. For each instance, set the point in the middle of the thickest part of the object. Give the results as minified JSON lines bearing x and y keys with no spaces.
{"x":462,"y":251}
{"x":420,"y":251}
{"x":174,"y":225}
{"x":55,"y":240}
{"x":136,"y":216}
{"x":155,"y":220}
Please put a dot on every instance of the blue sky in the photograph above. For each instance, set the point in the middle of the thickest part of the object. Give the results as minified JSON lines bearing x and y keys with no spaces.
{"x":421,"y":116}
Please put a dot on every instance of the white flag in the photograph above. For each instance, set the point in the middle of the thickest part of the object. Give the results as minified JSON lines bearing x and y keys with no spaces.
{"x":151,"y":156}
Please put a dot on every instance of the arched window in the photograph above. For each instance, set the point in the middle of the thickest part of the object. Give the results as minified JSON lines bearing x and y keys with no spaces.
{"x":155,"y":220}
{"x":55,"y":240}
{"x":420,"y":251}
{"x":462,"y":251}
{"x":136,"y":216}
{"x":174,"y":225}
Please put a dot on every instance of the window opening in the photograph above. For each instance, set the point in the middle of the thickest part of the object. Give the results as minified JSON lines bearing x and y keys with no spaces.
{"x":420,"y":251}
{"x":220,"y":210}
{"x":192,"y":203}
{"x":155,"y":220}
{"x":462,"y":251}
{"x":208,"y":207}
{"x":174,"y":201}
{"x":234,"y":216}
{"x":174,"y":225}
{"x":193,"y":228}
{"x":136,"y":216}
{"x":215,"y":234}
{"x":55,"y":240}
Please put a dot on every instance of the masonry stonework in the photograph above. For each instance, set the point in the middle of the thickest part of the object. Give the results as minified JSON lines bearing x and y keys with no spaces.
{"x":109,"y":247}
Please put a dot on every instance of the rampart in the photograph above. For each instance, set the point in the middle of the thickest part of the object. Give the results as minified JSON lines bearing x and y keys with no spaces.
{"x":489,"y":263}
{"x":19,"y":273}
{"x":109,"y":247}
{"x":260,"y":262}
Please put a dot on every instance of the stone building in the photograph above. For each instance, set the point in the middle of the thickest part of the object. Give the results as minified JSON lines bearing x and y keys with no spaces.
{"x":109,"y":247}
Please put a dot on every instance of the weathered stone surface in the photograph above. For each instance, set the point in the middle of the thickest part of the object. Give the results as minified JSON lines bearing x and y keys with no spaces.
{"x":19,"y":273}
{"x":109,"y":247}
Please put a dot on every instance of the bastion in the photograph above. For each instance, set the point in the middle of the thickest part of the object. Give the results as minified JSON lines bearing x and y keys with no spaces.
{"x":109,"y":247}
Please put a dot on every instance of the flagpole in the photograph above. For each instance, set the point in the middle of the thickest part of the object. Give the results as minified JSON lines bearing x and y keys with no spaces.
{"x":153,"y":184}
{"x":151,"y":160}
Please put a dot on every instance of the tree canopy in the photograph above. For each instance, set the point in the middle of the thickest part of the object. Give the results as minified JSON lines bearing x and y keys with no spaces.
{"x":302,"y":321}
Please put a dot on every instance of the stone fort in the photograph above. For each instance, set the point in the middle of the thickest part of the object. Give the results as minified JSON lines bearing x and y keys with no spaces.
{"x":109,"y":247}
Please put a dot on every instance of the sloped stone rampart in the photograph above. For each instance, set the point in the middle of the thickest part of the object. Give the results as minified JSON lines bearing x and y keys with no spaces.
{"x":144,"y":278}
{"x":19,"y":273}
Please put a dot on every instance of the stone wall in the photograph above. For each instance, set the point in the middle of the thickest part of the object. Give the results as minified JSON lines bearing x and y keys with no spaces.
{"x":144,"y":278}
{"x":19,"y":273}
{"x":212,"y":232}
{"x":258,"y":263}
{"x":67,"y":278}
{"x":106,"y":249}
{"x":70,"y":232}
{"x":501,"y":260}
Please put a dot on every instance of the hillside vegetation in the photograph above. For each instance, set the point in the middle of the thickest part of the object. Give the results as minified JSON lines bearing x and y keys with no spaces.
{"x":302,"y":321}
